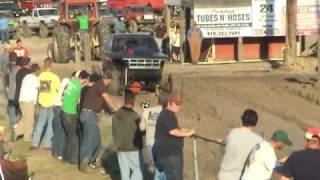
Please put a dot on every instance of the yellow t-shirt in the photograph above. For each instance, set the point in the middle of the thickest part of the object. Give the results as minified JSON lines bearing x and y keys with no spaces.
{"x":49,"y":86}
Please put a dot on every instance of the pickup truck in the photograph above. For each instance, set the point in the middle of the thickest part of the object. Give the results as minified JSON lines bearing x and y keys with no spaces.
{"x":133,"y":58}
{"x":39,"y":19}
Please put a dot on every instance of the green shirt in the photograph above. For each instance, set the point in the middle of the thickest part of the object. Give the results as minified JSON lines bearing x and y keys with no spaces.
{"x":71,"y":97}
{"x":83,"y":22}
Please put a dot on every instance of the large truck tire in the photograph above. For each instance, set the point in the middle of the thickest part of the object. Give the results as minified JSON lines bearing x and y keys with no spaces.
{"x":133,"y":26}
{"x":26,"y":30}
{"x":61,"y":44}
{"x":43,"y":31}
{"x":102,"y":33}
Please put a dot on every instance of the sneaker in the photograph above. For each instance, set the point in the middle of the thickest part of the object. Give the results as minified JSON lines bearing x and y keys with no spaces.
{"x":86,"y":168}
{"x":59,"y":158}
{"x":32,"y":148}
{"x":93,"y":165}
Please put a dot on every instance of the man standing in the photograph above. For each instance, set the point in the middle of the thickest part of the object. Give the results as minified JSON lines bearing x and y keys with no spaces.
{"x":159,"y":33}
{"x":49,"y":86}
{"x":4,"y":29}
{"x":236,"y":151}
{"x":25,"y":69}
{"x":148,"y":123}
{"x":169,"y":136}
{"x":127,"y":139}
{"x":27,"y":100}
{"x":83,"y":21}
{"x":304,"y":164}
{"x":262,"y":159}
{"x":195,"y":40}
{"x":4,"y":60}
{"x":13,"y":108}
{"x":20,"y":50}
{"x":71,"y":99}
{"x":93,"y":103}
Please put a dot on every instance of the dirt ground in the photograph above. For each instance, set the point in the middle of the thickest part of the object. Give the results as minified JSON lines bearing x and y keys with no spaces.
{"x":214,"y":98}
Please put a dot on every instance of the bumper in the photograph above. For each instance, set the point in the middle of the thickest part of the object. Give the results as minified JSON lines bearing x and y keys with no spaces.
{"x":144,"y":75}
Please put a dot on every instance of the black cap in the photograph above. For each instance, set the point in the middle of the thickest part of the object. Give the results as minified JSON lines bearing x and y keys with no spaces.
{"x":83,"y":74}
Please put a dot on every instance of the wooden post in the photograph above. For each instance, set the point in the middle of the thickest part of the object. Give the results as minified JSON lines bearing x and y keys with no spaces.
{"x":291,"y":31}
{"x":318,"y":63}
{"x":167,"y":19}
{"x":239,"y":49}
{"x":183,"y":38}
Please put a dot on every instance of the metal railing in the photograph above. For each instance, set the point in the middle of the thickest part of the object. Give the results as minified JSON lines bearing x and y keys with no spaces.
{"x":195,"y":154}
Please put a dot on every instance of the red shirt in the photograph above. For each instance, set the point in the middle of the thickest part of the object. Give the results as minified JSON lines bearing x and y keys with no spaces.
{"x":21,"y":51}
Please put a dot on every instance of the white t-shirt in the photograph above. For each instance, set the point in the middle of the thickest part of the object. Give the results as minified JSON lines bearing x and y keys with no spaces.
{"x":63,"y":85}
{"x":150,"y":117}
{"x":240,"y":141}
{"x":29,"y":89}
{"x":261,"y":163}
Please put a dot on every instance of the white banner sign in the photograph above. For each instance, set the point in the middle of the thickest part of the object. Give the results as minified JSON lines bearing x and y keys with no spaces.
{"x":308,"y":17}
{"x":224,"y":22}
{"x":268,"y":17}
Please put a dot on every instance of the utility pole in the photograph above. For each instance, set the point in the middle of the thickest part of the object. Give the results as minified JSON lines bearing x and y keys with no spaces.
{"x":291,"y":32}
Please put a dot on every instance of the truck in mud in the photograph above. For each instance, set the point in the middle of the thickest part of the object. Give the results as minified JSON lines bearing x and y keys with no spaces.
{"x":133,"y":58}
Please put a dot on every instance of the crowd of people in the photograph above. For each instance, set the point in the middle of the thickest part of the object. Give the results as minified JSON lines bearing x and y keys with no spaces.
{"x":61,"y":116}
{"x":67,"y":124}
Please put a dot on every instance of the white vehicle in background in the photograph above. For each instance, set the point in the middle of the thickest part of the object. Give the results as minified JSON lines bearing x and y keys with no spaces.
{"x":41,"y":20}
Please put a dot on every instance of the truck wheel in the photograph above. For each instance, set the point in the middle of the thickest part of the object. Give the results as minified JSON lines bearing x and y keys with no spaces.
{"x":26,"y":30}
{"x":133,"y":27}
{"x":43,"y":31}
{"x":61,"y":45}
{"x":102,"y":33}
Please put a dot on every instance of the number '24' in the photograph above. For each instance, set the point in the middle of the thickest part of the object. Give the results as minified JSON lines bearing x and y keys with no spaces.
{"x":264,"y":8}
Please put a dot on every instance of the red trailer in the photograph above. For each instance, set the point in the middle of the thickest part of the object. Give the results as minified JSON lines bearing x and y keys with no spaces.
{"x":121,"y":4}
{"x":30,"y":4}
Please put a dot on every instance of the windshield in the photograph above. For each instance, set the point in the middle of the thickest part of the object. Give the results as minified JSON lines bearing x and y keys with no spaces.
{"x":109,"y":11}
{"x":48,"y":12}
{"x":134,"y":42}
{"x":8,"y":6}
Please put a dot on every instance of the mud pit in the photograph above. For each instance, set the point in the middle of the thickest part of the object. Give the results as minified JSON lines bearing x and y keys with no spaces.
{"x":213,"y":101}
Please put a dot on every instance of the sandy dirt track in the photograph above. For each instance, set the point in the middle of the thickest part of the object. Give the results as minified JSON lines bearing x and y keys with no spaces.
{"x":213,"y":101}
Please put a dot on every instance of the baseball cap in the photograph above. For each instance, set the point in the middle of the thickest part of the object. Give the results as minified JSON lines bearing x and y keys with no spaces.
{"x":312,"y":132}
{"x":281,"y":136}
{"x":83,"y":74}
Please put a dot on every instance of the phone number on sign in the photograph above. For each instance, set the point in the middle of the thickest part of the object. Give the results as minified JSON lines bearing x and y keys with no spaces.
{"x":222,"y":33}
{"x":266,"y":32}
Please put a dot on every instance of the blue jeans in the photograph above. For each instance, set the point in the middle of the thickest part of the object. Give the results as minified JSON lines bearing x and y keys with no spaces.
{"x":45,"y":117}
{"x":151,"y":159}
{"x":4,"y":35}
{"x":59,"y":137}
{"x":90,"y":137}
{"x":130,"y":167}
{"x":171,"y":166}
